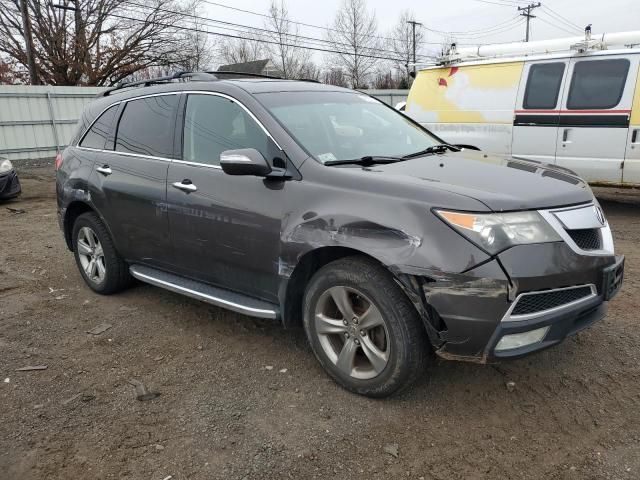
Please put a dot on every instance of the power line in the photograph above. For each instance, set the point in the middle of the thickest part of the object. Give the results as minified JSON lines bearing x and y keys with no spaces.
{"x":563,"y":19}
{"x":251,"y":29}
{"x":548,"y":21}
{"x":197,"y":30}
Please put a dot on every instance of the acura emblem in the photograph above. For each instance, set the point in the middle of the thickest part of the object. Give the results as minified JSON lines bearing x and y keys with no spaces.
{"x":600,"y":215}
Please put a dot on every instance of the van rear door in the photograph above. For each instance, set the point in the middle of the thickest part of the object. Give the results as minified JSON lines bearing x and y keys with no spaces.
{"x":631,"y":170}
{"x":594,"y":116}
{"x":537,"y":115}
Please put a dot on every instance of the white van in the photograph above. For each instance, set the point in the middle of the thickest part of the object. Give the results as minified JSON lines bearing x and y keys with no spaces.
{"x":579,"y":108}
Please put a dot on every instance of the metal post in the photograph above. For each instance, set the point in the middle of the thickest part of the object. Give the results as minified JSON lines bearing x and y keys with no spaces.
{"x":413,"y":24}
{"x":53,"y":122}
{"x":528,"y":15}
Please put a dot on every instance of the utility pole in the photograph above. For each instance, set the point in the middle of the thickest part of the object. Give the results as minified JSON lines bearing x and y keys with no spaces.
{"x":528,"y":15}
{"x":413,"y":24}
{"x":28,"y":42}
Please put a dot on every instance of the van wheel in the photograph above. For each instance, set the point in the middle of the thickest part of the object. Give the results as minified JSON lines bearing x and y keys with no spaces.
{"x":363,"y":329}
{"x":98,"y":261}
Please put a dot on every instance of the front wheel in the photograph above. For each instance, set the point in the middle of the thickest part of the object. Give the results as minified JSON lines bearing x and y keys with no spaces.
{"x":363,"y":329}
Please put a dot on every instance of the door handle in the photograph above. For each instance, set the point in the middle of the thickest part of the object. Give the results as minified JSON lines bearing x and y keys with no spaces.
{"x":185,"y":185}
{"x":105,"y":170}
{"x":634,"y":136}
{"x":565,"y":135}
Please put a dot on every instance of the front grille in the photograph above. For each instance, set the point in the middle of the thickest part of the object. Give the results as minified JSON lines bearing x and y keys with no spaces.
{"x":586,"y":238}
{"x":537,"y":302}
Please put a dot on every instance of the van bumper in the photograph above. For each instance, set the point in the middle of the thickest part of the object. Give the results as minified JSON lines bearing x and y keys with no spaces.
{"x":478,"y":315}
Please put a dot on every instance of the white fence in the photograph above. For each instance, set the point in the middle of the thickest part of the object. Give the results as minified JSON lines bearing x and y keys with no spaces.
{"x":36,"y":122}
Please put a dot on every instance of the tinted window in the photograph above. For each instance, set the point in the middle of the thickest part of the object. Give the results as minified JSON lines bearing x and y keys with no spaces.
{"x":597,"y":84}
{"x":214,"y":124}
{"x":146,"y":126}
{"x":97,"y":135}
{"x":543,"y":85}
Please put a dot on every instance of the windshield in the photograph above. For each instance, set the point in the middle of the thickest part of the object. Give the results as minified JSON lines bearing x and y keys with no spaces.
{"x":345,"y":125}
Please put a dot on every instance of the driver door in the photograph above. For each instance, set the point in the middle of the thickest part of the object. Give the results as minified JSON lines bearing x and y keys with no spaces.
{"x":225,"y":230}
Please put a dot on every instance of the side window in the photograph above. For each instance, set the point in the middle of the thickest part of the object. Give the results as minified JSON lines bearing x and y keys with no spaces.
{"x":146,"y":126}
{"x":597,"y":84}
{"x":543,"y":86}
{"x":97,"y":135}
{"x":214,"y":124}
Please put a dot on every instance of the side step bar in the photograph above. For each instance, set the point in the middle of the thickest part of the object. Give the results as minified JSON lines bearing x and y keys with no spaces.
{"x":201,"y":291}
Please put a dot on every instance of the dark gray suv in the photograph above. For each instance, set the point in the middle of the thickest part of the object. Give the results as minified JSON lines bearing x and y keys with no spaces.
{"x":321,"y":206}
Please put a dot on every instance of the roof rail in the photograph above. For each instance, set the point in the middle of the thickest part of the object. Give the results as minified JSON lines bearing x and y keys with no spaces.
{"x":181,"y":75}
{"x":245,"y":74}
{"x":260,"y":75}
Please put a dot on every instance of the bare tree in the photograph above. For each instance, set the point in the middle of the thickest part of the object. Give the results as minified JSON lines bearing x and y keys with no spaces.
{"x":94,"y":42}
{"x":309,"y":71}
{"x":354,"y":35}
{"x":198,"y":51}
{"x":9,"y":75}
{"x":401,"y":43}
{"x":285,"y":51}
{"x":237,"y":50}
{"x":335,"y":76}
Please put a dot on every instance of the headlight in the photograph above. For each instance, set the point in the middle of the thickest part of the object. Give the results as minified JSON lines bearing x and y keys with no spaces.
{"x":5,"y":166}
{"x":495,"y":232}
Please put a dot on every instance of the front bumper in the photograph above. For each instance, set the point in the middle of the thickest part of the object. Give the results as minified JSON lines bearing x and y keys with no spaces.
{"x":468,"y":314}
{"x":9,"y":185}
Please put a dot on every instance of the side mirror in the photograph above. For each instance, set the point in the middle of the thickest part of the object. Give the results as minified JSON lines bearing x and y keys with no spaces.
{"x":244,"y":161}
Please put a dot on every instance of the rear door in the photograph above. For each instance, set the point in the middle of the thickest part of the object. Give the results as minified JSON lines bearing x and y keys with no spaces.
{"x":594,"y":118}
{"x":631,"y":170}
{"x":130,"y":177}
{"x":537,"y":117}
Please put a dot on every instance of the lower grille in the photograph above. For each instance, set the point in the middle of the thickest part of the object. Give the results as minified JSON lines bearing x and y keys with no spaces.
{"x":538,"y":302}
{"x":586,"y":238}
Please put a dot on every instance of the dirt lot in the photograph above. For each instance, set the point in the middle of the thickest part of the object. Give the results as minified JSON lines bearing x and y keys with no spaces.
{"x":241,"y":398}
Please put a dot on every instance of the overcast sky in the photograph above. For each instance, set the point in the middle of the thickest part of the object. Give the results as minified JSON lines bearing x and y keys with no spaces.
{"x":456,"y":16}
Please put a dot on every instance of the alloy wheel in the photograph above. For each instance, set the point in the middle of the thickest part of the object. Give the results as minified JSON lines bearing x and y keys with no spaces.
{"x":91,"y":255}
{"x":352,"y":332}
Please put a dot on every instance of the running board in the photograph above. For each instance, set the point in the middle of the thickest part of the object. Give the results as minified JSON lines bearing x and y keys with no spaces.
{"x":201,"y":291}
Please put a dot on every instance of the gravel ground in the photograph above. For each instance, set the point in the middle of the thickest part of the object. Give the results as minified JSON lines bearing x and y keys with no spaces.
{"x":242,"y":398}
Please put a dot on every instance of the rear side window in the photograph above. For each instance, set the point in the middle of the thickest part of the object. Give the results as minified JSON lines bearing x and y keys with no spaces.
{"x":543,"y":86}
{"x":214,"y":124}
{"x":146,"y":126}
{"x":597,"y":84}
{"x":97,"y":135}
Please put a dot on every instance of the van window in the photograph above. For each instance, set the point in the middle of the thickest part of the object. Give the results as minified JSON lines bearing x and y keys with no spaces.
{"x":146,"y":126}
{"x":543,"y":85}
{"x":597,"y":84}
{"x":97,"y":135}
{"x":213,"y":124}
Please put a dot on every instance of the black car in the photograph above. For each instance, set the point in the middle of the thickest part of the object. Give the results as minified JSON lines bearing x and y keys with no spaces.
{"x":323,"y":207}
{"x":9,"y":183}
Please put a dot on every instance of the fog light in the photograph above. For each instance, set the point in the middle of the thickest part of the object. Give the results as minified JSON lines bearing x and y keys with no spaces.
{"x":518,"y":340}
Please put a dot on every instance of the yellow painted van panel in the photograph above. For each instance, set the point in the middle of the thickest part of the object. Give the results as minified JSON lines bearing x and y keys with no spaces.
{"x":635,"y":109}
{"x":468,"y":94}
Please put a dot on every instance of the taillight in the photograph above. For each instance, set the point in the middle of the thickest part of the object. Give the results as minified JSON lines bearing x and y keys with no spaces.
{"x":58,"y":163}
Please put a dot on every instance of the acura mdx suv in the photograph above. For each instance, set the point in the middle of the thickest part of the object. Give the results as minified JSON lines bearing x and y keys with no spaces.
{"x":323,"y":207}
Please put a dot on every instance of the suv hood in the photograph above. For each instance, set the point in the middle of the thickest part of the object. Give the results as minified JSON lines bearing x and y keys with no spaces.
{"x":500,"y":183}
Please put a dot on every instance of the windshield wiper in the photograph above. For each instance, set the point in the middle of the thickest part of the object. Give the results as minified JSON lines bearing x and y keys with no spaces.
{"x":440,"y":148}
{"x":366,"y":161}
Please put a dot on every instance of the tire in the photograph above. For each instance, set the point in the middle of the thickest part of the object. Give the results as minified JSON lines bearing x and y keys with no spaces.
{"x":90,"y":238}
{"x":347,"y":352}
